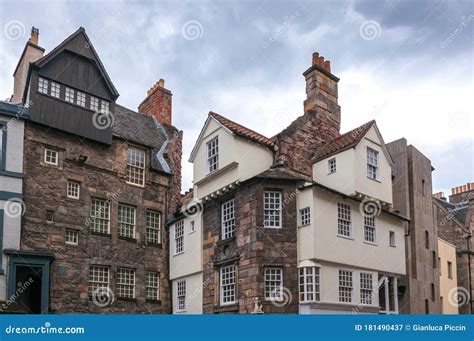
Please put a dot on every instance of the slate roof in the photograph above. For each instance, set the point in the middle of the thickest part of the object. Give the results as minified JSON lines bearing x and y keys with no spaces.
{"x":145,"y":130}
{"x":10,"y":109}
{"x":458,"y":211}
{"x":343,"y":142}
{"x":243,"y":131}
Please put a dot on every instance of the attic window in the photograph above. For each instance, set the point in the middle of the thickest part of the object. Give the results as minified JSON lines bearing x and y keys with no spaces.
{"x":81,"y":99}
{"x":332,"y":165}
{"x":43,"y":85}
{"x":372,"y":163}
{"x":213,"y":154}
{"x":69,"y":95}
{"x":55,"y":89}
{"x":94,"y":105}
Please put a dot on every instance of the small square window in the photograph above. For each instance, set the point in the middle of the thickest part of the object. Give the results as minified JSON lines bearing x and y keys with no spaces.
{"x":81,"y":99}
{"x":192,"y":226}
{"x":69,"y":95}
{"x":55,"y":90}
{"x":332,"y":166}
{"x":73,"y":189}
{"x":51,"y":157}
{"x":71,"y":237}
{"x":305,"y":216}
{"x":49,"y":215}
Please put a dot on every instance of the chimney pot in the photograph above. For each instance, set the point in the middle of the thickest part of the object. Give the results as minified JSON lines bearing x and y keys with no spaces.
{"x":161,"y":83}
{"x":315,"y":58}
{"x":321,"y":61}
{"x":34,"y":35}
{"x":327,"y":66}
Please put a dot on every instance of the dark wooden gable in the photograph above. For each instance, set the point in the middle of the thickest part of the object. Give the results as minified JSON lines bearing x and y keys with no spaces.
{"x":74,"y":64}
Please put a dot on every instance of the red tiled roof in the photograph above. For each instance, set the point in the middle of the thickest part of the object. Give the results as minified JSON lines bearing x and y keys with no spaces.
{"x":243,"y":131}
{"x":343,"y":142}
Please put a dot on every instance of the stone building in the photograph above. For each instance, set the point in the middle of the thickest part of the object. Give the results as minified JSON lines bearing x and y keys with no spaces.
{"x":455,"y":225}
{"x":11,"y":193}
{"x":99,"y":181}
{"x":297,"y":223}
{"x":412,"y":188}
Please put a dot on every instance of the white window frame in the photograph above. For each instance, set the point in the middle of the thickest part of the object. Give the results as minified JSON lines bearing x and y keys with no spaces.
{"x":228,"y":219}
{"x":81,"y":99}
{"x":332,"y":166}
{"x":94,"y":104}
{"x":367,"y":293}
{"x":104,"y":215}
{"x":43,"y":85}
{"x":126,"y":221}
{"x":192,"y":226}
{"x":55,"y":90}
{"x":152,"y":285}
{"x":69,"y":95}
{"x":370,"y":229}
{"x":344,"y":219}
{"x":71,"y":237}
{"x":391,"y":239}
{"x":273,"y":281}
{"x":179,"y":237}
{"x":372,"y":164}
{"x":305,"y":216}
{"x":125,"y":283}
{"x":227,"y":285}
{"x":136,"y":161}
{"x":346,"y":285}
{"x":51,"y":156}
{"x":212,"y":150}
{"x":153,"y":227}
{"x":309,"y":284}
{"x":181,"y":296}
{"x":99,"y":277}
{"x":272,"y":209}
{"x":73,"y":189}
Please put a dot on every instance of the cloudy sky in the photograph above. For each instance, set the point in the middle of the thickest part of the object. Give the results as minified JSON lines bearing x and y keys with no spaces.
{"x":408,"y":64}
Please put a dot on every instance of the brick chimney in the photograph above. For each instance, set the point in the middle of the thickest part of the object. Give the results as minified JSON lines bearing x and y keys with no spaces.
{"x":31,"y":53}
{"x":440,"y":195}
{"x":321,"y":90}
{"x":158,"y":103}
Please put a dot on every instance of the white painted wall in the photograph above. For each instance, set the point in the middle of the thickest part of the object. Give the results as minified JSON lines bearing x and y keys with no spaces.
{"x":319,"y":240}
{"x":194,"y":288}
{"x":343,"y":179}
{"x":250,"y":157}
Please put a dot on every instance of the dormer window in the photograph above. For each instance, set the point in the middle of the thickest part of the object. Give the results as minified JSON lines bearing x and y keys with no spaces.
{"x":43,"y":85}
{"x":213,"y":154}
{"x":104,"y":107}
{"x":372,"y":163}
{"x":332,"y":165}
{"x":94,"y":105}
{"x":55,"y":89}
{"x":69,"y":95}
{"x":81,"y":99}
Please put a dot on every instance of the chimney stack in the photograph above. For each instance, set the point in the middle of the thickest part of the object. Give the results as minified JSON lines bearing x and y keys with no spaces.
{"x":31,"y":53}
{"x":158,"y":103}
{"x":321,"y":90}
{"x":462,"y":189}
{"x":440,"y":195}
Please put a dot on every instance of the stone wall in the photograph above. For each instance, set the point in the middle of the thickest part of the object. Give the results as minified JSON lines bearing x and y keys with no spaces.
{"x":103,"y":175}
{"x":252,"y":249}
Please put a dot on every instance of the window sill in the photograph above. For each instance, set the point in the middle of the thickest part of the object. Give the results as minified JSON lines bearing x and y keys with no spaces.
{"x":331,"y":173}
{"x":71,"y":244}
{"x":100,"y":234}
{"x":376,"y":180}
{"x":226,"y":308}
{"x":149,"y":300}
{"x":157,"y":245}
{"x":134,"y":185}
{"x":271,"y":227}
{"x":126,"y":299}
{"x":305,"y":225}
{"x":127,"y":239}
{"x":179,"y":253}
{"x":394,"y":246}
{"x":72,"y":198}
{"x":345,"y":237}
{"x":370,"y":243}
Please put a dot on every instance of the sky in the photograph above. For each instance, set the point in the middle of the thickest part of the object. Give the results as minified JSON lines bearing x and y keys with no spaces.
{"x":406,"y":64}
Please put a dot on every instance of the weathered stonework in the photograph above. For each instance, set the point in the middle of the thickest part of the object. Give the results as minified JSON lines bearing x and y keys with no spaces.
{"x":253,"y":248}
{"x":103,"y":175}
